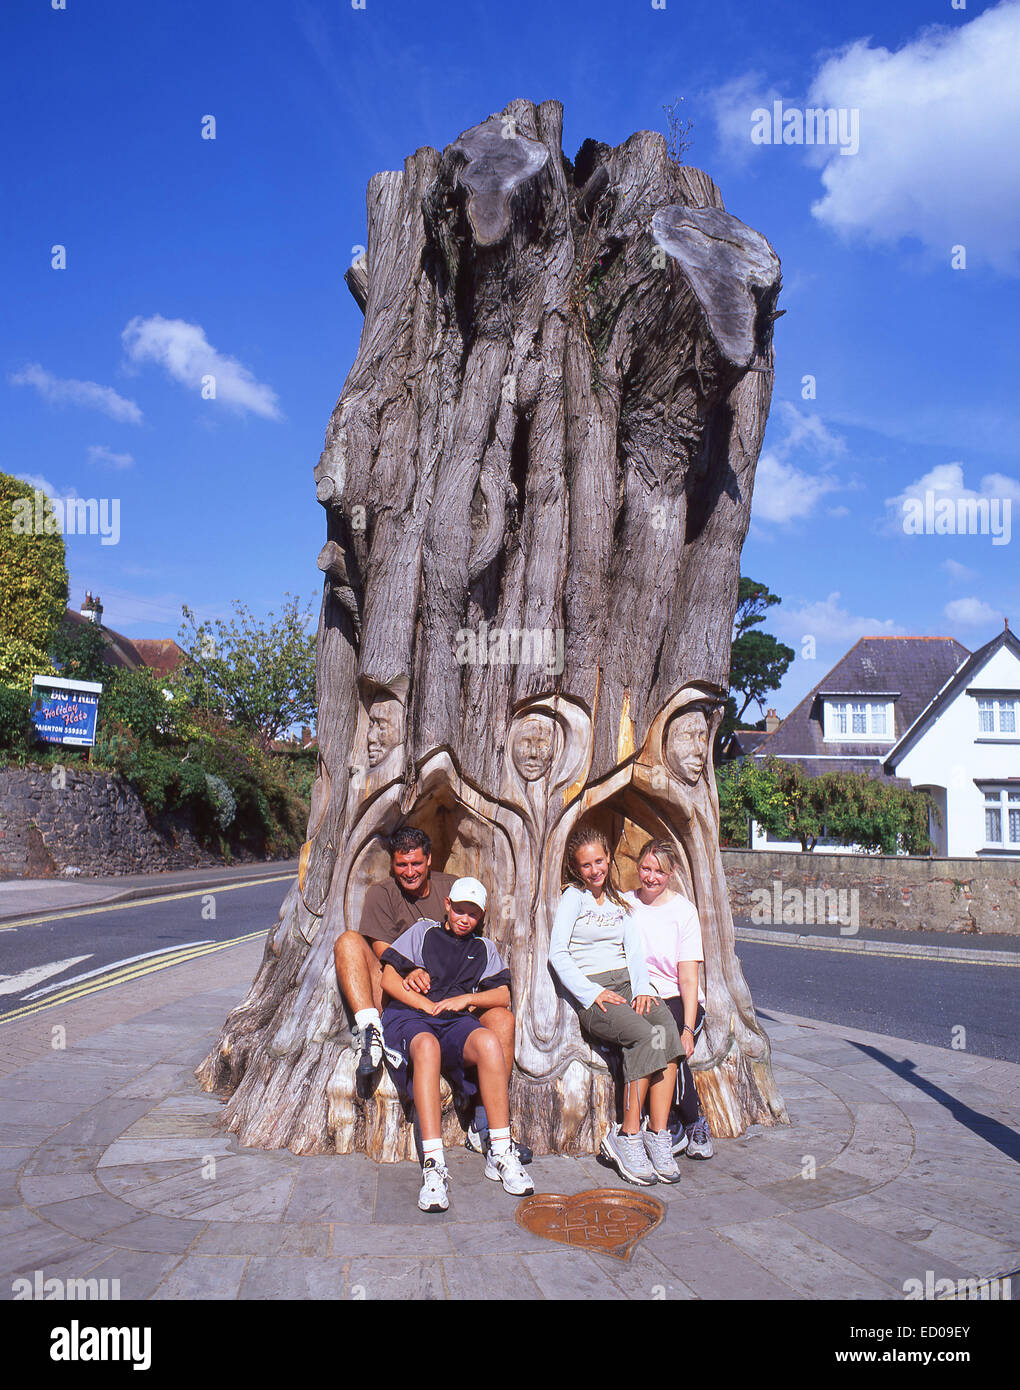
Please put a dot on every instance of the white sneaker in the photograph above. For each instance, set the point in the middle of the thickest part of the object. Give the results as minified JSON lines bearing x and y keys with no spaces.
{"x":435,"y":1187}
{"x":508,"y":1169}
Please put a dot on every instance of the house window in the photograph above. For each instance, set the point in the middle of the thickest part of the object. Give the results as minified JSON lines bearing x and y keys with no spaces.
{"x":997,"y":716}
{"x":858,"y":719}
{"x":1002,"y":818}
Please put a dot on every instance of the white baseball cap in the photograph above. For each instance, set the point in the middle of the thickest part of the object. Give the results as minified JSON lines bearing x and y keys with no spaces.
{"x":468,"y":890}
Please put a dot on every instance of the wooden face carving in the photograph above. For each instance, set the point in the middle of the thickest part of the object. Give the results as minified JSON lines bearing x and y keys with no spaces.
{"x":385,"y":729}
{"x":687,"y":746}
{"x":532,"y":747}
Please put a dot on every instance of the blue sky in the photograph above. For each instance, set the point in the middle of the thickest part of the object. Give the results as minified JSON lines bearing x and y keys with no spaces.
{"x":186,"y":256}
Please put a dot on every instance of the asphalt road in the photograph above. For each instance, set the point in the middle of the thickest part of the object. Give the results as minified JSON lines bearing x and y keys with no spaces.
{"x":50,"y":960}
{"x":45,"y":962}
{"x":904,"y":998}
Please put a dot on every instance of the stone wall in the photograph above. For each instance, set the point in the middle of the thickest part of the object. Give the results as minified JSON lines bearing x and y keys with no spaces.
{"x":903,"y":893}
{"x":94,"y":823}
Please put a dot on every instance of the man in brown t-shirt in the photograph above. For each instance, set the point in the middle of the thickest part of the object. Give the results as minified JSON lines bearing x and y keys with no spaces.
{"x":413,"y":893}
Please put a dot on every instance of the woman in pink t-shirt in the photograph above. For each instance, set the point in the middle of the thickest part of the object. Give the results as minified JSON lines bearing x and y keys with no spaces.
{"x":671,"y":934}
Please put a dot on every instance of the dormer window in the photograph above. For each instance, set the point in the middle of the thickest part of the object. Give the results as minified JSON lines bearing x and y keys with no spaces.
{"x":858,"y":720}
{"x":997,"y":716}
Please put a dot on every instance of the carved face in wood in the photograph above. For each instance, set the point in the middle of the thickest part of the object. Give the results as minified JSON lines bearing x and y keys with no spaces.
{"x":532,"y":747}
{"x":385,"y":729}
{"x":687,"y":745}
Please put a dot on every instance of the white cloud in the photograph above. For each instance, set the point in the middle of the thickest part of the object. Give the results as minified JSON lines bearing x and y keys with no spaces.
{"x":957,"y":571}
{"x":70,"y":391}
{"x":829,"y":624}
{"x":938,"y":124}
{"x":972,"y":612}
{"x":783,"y":492}
{"x":182,"y":350}
{"x":99,"y":453}
{"x":732,"y":104}
{"x":41,"y":484}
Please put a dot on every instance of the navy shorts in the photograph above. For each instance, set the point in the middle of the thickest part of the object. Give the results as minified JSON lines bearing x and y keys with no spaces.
{"x":452,"y":1031}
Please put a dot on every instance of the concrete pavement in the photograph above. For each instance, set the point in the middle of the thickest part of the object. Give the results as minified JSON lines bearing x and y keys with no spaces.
{"x":900,"y":1165}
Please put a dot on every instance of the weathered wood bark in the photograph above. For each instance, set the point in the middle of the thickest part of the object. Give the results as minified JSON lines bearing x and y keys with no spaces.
{"x":537,"y":482}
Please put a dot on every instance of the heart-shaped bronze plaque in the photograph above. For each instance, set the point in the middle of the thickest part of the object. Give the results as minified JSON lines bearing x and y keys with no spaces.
{"x":604,"y":1219}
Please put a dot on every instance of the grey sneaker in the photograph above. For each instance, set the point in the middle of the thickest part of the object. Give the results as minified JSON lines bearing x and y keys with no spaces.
{"x":699,"y":1139}
{"x":659,"y":1148}
{"x":626,"y":1152}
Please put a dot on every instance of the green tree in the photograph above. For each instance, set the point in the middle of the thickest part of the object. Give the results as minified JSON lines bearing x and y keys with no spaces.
{"x":77,"y":648}
{"x":259,"y":675}
{"x":847,"y":808}
{"x":758,"y":662}
{"x":33,"y":585}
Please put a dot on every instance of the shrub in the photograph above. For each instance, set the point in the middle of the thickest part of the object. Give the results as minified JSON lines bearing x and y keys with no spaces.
{"x":135,"y":700}
{"x":14,"y":720}
{"x":20,"y":661}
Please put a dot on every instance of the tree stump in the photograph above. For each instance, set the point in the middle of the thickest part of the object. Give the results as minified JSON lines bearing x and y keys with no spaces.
{"x":537,"y":483}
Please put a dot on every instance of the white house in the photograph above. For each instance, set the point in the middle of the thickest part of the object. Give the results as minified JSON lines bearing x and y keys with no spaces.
{"x":924,"y":712}
{"x":965,"y":749}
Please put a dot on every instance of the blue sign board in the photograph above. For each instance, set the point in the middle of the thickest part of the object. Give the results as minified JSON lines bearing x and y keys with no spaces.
{"x":65,"y":711}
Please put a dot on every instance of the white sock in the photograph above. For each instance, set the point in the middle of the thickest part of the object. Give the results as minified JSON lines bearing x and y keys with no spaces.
{"x":433,"y":1148}
{"x":364,"y":1017}
{"x":500,"y":1140}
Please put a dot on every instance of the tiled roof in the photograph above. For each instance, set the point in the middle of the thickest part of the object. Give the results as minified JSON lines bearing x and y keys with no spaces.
{"x":741,"y":742}
{"x":160,"y":654}
{"x":914,"y":668}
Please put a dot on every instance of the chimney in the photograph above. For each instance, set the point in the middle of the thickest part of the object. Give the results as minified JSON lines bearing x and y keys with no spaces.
{"x":92,"y":609}
{"x":306,"y":736}
{"x":772,"y":721}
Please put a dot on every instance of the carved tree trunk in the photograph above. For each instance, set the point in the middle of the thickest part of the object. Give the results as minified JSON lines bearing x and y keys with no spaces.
{"x":537,"y":483}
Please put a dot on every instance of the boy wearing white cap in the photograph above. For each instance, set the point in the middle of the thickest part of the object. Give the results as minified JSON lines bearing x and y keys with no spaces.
{"x":430,"y":1027}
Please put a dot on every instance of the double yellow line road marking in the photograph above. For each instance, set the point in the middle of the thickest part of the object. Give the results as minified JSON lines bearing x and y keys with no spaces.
{"x":123,"y":974}
{"x":133,"y":970}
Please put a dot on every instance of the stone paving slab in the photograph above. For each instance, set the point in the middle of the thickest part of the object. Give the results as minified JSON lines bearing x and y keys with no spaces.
{"x":292,"y":1276}
{"x":204,"y":1276}
{"x":912,"y":1170}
